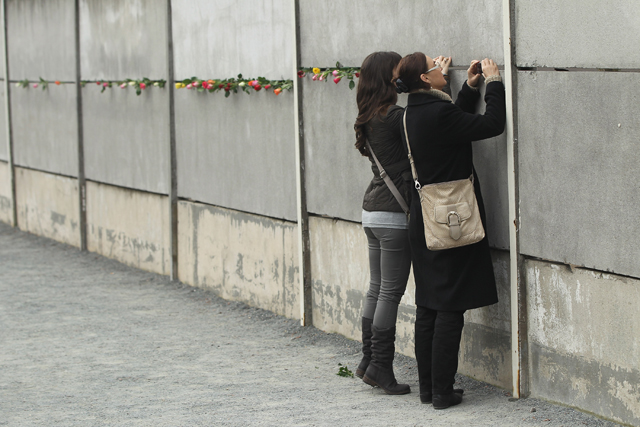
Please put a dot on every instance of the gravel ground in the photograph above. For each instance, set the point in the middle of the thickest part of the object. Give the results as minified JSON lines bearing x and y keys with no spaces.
{"x":87,"y":341}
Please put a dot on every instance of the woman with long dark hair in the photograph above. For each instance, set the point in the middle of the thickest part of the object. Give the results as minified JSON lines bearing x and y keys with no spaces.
{"x":451,"y":281}
{"x":379,"y":122}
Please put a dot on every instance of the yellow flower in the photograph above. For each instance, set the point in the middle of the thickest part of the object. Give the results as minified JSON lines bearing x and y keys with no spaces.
{"x":316,"y":70}
{"x":178,"y":85}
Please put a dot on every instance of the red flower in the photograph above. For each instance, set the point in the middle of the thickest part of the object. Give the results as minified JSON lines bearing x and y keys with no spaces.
{"x":301,"y":74}
{"x":357,"y":74}
{"x":257,"y":87}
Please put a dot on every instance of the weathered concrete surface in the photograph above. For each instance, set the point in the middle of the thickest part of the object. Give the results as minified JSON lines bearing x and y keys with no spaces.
{"x":48,"y":205}
{"x":126,"y":137}
{"x":5,"y":193}
{"x":129,"y":226}
{"x":123,"y":39}
{"x":610,"y":32}
{"x":577,"y":153}
{"x":4,"y":154}
{"x":228,"y":37}
{"x":583,"y":335}
{"x":41,"y":39}
{"x":238,"y":152}
{"x":349,"y":31}
{"x":240,"y":257}
{"x":485,"y":350}
{"x":45,"y":128}
{"x":88,"y":341}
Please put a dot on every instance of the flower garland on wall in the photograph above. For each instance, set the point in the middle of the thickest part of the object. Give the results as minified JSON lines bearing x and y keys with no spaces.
{"x":227,"y":85}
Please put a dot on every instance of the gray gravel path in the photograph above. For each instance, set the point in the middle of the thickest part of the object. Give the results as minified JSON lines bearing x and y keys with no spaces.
{"x":87,"y":341}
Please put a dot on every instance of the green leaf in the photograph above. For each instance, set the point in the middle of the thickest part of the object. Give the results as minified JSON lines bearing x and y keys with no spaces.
{"x":352,"y":84}
{"x":227,"y":94}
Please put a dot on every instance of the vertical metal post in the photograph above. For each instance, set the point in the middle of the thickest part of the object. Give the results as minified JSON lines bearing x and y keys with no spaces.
{"x":304,"y":258}
{"x":518,"y":289}
{"x":7,"y":105}
{"x":173,"y":175}
{"x":82,"y":183}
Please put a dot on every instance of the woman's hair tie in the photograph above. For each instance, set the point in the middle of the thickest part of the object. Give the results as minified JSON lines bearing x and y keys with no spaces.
{"x":401,"y":87}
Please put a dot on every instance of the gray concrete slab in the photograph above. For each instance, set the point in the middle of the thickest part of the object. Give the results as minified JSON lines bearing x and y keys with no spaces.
{"x":126,"y":137}
{"x":349,"y":31}
{"x":3,"y":124}
{"x":578,"y":153}
{"x":88,"y":341}
{"x":123,"y":39}
{"x":41,"y":38}
{"x":45,"y":128}
{"x":226,"y":38}
{"x":237,"y":152}
{"x":593,"y":35}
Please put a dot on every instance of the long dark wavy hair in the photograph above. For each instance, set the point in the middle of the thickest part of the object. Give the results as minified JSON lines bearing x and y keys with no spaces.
{"x":375,"y":93}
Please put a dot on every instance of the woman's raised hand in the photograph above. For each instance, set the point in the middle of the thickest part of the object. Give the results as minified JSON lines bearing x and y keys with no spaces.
{"x":444,"y":62}
{"x":489,"y":68}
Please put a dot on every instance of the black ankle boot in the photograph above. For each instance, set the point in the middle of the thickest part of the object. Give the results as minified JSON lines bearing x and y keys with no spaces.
{"x":427,"y":396}
{"x":366,"y":347}
{"x":380,"y":370}
{"x":443,"y":401}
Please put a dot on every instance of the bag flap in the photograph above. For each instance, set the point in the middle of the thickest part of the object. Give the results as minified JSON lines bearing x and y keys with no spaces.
{"x":462,"y":209}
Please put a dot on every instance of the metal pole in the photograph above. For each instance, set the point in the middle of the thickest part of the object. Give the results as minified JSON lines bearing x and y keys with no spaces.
{"x":518,"y":290}
{"x":7,"y":99}
{"x":173,"y":175}
{"x":82,"y":182}
{"x":304,"y":258}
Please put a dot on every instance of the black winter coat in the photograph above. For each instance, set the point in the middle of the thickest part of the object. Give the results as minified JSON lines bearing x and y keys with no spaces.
{"x":441,"y":134}
{"x":385,"y":138}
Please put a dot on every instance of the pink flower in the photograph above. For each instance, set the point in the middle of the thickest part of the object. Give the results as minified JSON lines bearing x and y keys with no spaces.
{"x":335,"y":73}
{"x":35,"y":85}
{"x":321,"y":78}
{"x":189,"y":86}
{"x":315,"y":77}
{"x":105,"y":84}
{"x":336,"y":80}
{"x":196,"y":83}
{"x":143,"y":86}
{"x":123,"y":86}
{"x":205,"y":85}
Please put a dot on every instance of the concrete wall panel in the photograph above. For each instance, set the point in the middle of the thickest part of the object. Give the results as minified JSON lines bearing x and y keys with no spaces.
{"x":338,"y":175}
{"x":41,"y":39}
{"x":5,"y":193}
{"x":48,"y":205}
{"x":126,"y":137}
{"x":229,"y":37}
{"x":123,"y":39}
{"x":349,"y":31}
{"x":4,"y":154}
{"x":583,"y":329}
{"x":242,"y":257}
{"x":45,"y":129}
{"x":129,"y":226}
{"x":581,"y":34}
{"x":578,"y":148}
{"x":237,"y":152}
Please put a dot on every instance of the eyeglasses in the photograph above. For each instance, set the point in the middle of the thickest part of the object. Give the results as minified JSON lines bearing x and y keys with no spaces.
{"x":431,"y":69}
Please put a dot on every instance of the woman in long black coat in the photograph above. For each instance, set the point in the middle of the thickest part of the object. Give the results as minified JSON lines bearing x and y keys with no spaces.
{"x":448,"y":282}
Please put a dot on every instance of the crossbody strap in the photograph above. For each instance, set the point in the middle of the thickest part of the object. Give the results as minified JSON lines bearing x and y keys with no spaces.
{"x":389,"y":182}
{"x":413,"y":166}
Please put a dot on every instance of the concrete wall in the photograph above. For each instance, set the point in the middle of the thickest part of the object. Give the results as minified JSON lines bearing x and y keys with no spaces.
{"x":48,"y":205}
{"x":4,"y":155}
{"x":5,"y":193}
{"x":242,"y":257}
{"x":130,"y":226}
{"x":583,"y":339}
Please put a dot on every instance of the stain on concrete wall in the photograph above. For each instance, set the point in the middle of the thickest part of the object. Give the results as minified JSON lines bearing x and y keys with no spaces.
{"x":5,"y":193}
{"x":242,"y":257}
{"x":48,"y":205}
{"x":583,"y":335}
{"x":129,"y":226}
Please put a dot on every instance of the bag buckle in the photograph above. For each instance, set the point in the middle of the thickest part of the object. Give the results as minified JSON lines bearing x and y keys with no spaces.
{"x":418,"y":186}
{"x":454,"y":225}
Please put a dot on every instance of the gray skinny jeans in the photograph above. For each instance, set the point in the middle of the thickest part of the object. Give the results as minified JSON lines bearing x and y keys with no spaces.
{"x":389,"y":265}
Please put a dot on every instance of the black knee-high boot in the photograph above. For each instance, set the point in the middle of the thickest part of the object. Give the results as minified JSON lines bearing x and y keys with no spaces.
{"x":366,"y":347}
{"x":380,"y":370}
{"x":446,"y":345}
